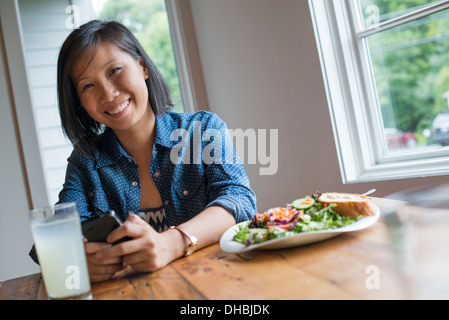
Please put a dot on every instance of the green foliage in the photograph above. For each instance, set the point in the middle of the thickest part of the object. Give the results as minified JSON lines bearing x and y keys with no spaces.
{"x":410,"y":65}
{"x":148,"y":21}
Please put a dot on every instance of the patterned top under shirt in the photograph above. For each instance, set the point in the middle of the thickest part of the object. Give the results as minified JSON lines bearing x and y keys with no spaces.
{"x":155,"y":218}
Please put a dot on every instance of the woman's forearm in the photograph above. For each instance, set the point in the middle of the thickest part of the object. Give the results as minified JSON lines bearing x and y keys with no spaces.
{"x":208,"y":226}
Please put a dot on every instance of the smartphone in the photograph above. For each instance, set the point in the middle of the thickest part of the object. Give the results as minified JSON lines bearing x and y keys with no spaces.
{"x":97,"y":229}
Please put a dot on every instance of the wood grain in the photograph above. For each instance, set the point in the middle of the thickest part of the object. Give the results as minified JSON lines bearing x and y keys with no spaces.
{"x":338,"y":268}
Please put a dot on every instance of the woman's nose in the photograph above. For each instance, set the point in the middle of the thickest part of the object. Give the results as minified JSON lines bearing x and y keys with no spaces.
{"x":108,"y":92}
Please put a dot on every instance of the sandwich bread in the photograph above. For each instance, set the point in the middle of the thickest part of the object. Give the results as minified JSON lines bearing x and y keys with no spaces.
{"x":348,"y":204}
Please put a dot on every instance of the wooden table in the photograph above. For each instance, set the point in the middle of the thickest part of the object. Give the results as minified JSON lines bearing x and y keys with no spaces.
{"x":358,"y":265}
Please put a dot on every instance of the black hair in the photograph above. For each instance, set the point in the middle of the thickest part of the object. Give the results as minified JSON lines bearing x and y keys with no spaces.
{"x":77,"y":125}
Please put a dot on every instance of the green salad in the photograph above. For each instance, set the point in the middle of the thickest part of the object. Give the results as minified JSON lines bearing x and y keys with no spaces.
{"x":303,"y":215}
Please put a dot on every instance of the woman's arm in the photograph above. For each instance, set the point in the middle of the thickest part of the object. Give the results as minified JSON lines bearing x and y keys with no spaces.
{"x":209,"y":225}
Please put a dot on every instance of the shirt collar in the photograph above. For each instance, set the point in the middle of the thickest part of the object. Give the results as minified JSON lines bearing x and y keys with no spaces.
{"x":165,"y":126}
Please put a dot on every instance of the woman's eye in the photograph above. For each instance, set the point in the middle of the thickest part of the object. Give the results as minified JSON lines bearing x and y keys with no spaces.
{"x":113,"y":71}
{"x":87,"y":86}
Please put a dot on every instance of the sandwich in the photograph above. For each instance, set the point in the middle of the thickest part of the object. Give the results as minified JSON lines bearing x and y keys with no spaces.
{"x":348,"y":204}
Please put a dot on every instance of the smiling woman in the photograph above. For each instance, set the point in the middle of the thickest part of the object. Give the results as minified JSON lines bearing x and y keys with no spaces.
{"x":123,"y":76}
{"x":44,"y":26}
{"x":106,"y":78}
{"x":114,"y":107}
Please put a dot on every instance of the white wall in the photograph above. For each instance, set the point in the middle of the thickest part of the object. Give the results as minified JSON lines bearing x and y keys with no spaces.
{"x":262,"y":71}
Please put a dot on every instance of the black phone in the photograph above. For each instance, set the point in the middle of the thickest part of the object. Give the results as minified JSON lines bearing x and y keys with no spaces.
{"x":97,"y":229}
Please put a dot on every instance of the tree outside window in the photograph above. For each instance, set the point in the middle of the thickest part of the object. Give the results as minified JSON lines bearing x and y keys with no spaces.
{"x":410,"y":66}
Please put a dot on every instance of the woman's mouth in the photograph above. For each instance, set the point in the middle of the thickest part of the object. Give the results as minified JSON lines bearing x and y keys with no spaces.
{"x":119,"y":108}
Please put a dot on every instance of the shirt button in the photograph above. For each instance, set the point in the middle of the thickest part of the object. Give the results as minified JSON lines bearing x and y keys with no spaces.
{"x":166,"y":202}
{"x":134,"y":184}
{"x":130,"y":160}
{"x":157,"y":174}
{"x":186,"y":192}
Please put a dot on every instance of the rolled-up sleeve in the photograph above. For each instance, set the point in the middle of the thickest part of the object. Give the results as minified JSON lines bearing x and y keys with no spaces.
{"x":228,"y":183}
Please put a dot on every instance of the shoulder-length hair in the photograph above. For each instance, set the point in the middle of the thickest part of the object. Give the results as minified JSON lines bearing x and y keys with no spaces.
{"x":77,"y":125}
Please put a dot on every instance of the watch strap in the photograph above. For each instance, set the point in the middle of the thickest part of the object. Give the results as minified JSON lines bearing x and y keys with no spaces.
{"x":193,"y":240}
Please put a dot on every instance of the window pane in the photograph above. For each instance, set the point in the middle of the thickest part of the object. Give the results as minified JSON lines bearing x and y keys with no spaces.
{"x":148,"y":20}
{"x":411,"y":73}
{"x":378,"y":11}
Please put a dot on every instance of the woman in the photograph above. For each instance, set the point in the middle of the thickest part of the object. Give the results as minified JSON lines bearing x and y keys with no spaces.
{"x":134,"y":156}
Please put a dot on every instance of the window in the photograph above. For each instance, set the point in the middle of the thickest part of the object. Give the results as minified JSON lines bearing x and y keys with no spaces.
{"x":35,"y":31}
{"x":386,"y":73}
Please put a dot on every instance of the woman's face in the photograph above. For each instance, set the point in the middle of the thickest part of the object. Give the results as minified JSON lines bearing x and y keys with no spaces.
{"x":112,"y":88}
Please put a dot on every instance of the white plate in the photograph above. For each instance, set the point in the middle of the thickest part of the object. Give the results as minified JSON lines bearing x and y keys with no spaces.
{"x":229,"y":245}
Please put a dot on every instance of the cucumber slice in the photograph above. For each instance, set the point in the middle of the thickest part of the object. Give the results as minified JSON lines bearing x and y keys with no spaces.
{"x":303,"y":203}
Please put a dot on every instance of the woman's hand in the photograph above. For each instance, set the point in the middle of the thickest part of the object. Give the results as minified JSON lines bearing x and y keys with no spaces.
{"x":101,"y":269}
{"x":148,"y":251}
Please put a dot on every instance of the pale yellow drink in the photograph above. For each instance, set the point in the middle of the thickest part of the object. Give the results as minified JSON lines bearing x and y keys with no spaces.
{"x":60,"y":250}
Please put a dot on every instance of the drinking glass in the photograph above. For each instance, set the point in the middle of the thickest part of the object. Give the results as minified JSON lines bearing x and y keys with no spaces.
{"x":59,"y":246}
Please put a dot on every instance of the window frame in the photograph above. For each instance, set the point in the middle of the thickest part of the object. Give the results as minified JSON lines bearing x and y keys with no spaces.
{"x":191,"y":79}
{"x":352,"y":98}
{"x":22,"y":102}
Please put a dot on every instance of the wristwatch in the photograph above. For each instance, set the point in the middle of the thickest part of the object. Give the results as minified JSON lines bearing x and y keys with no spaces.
{"x":193,"y":241}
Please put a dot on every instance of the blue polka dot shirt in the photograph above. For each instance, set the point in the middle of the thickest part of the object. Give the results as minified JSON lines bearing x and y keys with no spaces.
{"x":194,"y":166}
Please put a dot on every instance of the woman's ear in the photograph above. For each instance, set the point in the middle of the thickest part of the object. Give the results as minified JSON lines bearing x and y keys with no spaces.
{"x":145,"y":70}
